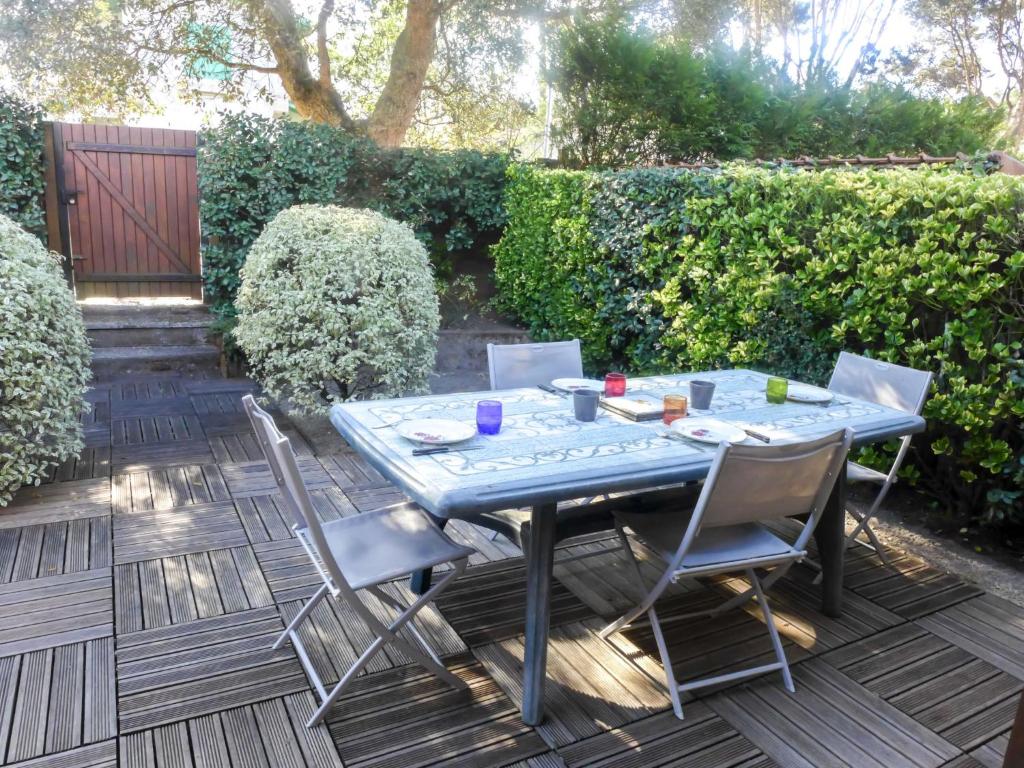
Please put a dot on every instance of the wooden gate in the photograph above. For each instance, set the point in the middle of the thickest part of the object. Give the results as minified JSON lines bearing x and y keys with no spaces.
{"x":127,"y":209}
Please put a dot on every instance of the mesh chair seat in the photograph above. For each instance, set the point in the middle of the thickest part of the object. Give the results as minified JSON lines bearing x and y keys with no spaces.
{"x":376,"y":547}
{"x":661,"y":532}
{"x":858,"y":473}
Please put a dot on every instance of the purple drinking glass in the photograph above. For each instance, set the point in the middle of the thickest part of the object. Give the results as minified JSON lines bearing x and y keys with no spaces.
{"x":488,"y":417}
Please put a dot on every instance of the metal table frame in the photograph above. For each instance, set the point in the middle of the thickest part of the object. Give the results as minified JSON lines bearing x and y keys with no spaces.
{"x":542,"y":495}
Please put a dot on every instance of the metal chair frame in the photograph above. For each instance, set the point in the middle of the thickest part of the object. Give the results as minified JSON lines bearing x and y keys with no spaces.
{"x":887,"y":384}
{"x":281,"y":458}
{"x":729,"y":467}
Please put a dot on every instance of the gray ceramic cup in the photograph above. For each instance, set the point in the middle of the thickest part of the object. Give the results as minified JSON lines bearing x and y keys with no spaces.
{"x":584,"y":403}
{"x":701,"y":393}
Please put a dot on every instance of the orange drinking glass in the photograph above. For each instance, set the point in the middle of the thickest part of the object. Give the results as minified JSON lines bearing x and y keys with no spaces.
{"x":675,"y":408}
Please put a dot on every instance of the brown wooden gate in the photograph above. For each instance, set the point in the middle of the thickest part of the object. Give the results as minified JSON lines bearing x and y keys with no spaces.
{"x":128,"y":209}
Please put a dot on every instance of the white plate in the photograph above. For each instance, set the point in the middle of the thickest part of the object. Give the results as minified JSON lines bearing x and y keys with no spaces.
{"x":805,"y":393}
{"x":571,"y":385}
{"x":708,"y":430}
{"x":435,"y":431}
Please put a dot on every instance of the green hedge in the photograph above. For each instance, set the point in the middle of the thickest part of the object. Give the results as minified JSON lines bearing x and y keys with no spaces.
{"x":251,"y":168}
{"x":21,"y":163}
{"x":780,"y":270}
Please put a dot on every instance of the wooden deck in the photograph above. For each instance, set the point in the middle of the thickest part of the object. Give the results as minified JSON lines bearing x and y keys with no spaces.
{"x":141,"y":588}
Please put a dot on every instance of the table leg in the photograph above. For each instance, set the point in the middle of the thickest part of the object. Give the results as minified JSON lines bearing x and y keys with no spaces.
{"x":830,"y":536}
{"x":540,"y":555}
{"x":419,"y":581}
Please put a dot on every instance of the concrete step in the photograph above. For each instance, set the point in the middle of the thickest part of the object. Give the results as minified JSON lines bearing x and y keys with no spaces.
{"x":140,"y":336}
{"x":108,"y":362}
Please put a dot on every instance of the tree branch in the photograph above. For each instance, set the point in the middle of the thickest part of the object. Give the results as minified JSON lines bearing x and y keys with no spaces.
{"x":322,"y":54}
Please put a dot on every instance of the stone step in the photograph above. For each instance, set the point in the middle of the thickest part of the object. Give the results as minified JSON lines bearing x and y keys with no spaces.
{"x":155,"y":336}
{"x":133,"y":325}
{"x":108,"y":362}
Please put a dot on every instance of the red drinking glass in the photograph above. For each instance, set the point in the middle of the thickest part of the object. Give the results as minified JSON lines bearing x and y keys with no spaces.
{"x":615,"y":385}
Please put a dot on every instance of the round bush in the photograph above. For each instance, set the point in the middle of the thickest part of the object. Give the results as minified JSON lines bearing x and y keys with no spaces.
{"x":337,"y":304}
{"x":44,"y":362}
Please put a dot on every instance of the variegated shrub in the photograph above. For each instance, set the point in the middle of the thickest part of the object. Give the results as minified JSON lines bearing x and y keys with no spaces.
{"x":44,"y":362}
{"x":337,"y":304}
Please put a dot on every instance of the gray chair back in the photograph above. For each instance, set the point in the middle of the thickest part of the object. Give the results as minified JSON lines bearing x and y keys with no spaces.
{"x":759,"y":483}
{"x":527,"y":365}
{"x":278,"y":450}
{"x":888,"y":384}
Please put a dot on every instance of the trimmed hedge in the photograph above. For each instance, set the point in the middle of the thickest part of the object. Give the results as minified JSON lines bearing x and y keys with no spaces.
{"x":337,"y":304}
{"x":251,"y":168}
{"x":44,"y":362}
{"x":21,"y":164}
{"x":780,"y":270}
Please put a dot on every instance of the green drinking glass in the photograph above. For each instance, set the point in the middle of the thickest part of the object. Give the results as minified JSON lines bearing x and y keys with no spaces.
{"x":776,"y":389}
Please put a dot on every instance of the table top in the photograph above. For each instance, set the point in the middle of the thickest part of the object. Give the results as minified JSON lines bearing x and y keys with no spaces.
{"x":544,"y":455}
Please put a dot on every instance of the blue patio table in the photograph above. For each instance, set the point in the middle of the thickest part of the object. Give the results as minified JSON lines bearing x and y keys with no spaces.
{"x":543,"y":456}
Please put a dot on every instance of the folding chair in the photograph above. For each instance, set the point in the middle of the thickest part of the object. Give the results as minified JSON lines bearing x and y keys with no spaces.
{"x":527,"y":365}
{"x":894,"y":386}
{"x":360,"y":553}
{"x":746,"y":485}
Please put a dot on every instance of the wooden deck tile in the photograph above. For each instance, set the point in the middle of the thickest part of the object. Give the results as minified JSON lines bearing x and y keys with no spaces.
{"x":174,"y":590}
{"x":158,"y":406}
{"x":488,"y":603}
{"x":964,"y":699}
{"x":56,"y":699}
{"x":370,"y":499}
{"x":139,"y":430}
{"x":991,"y":755}
{"x":101,"y":755}
{"x":987,"y":627}
{"x":255,"y":479}
{"x":58,"y":501}
{"x":830,"y":720}
{"x":546,"y":760}
{"x":703,"y":738}
{"x":911,"y":588}
{"x":94,"y":461}
{"x":701,"y":646}
{"x":159,"y":455}
{"x":177,"y":531}
{"x":265,"y":518}
{"x":335,"y":636}
{"x":407,"y":718}
{"x":269,"y":733}
{"x":164,"y":488}
{"x":351,"y":472}
{"x":235,"y":447}
{"x":590,"y":686}
{"x":55,"y":610}
{"x":236,"y":387}
{"x":145,"y":388}
{"x":52,"y":549}
{"x":184,"y":671}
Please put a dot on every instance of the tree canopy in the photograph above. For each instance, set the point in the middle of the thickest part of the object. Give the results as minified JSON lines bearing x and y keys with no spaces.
{"x":627,"y":98}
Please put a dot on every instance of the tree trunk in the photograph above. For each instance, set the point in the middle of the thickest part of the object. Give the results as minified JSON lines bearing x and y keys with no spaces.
{"x":410,"y":60}
{"x":314,"y":98}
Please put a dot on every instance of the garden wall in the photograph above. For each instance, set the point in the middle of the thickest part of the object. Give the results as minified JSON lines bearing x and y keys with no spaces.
{"x":779,"y":270}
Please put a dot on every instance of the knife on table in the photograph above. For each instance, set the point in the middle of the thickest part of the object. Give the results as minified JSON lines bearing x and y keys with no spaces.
{"x":444,"y":449}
